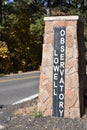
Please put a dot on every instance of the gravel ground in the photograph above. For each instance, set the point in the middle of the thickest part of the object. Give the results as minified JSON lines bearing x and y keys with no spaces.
{"x":25,"y":117}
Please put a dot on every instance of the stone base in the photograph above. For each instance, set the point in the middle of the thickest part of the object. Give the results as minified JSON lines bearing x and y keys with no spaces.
{"x":74,"y":73}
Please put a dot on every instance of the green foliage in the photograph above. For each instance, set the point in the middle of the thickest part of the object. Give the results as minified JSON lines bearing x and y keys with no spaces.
{"x":23,"y":34}
{"x":36,"y":113}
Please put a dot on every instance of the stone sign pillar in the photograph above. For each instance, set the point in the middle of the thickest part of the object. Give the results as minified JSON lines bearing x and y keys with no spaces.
{"x":62,"y":76}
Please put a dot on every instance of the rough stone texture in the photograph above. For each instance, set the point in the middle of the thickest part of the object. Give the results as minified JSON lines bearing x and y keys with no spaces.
{"x":74,"y":68}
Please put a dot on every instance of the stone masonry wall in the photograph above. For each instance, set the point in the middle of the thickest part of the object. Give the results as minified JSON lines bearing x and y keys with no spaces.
{"x":73,"y":87}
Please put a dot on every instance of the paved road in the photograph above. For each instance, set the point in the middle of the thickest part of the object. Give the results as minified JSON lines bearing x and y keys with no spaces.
{"x":17,"y":87}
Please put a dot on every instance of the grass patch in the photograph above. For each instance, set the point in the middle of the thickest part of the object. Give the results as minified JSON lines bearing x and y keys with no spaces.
{"x":31,"y":110}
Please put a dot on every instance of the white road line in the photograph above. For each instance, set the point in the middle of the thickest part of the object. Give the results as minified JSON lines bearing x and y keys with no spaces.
{"x":26,"y":99}
{"x":1,"y":127}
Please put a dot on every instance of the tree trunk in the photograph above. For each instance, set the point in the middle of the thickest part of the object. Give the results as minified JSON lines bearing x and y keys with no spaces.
{"x":49,"y":8}
{"x":0,"y":19}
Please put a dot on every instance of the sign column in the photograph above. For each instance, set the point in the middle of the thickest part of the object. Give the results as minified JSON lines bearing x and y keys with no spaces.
{"x":59,"y":71}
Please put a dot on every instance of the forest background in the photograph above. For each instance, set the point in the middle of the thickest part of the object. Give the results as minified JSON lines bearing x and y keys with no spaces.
{"x":22,"y":29}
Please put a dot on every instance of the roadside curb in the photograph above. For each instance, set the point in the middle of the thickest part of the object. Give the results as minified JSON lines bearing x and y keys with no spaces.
{"x":26,"y":99}
{"x":28,"y":72}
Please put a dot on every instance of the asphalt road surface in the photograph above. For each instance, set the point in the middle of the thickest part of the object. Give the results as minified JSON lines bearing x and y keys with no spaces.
{"x":17,"y":87}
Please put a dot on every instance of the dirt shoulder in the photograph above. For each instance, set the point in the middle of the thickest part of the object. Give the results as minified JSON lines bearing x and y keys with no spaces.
{"x":25,"y":117}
